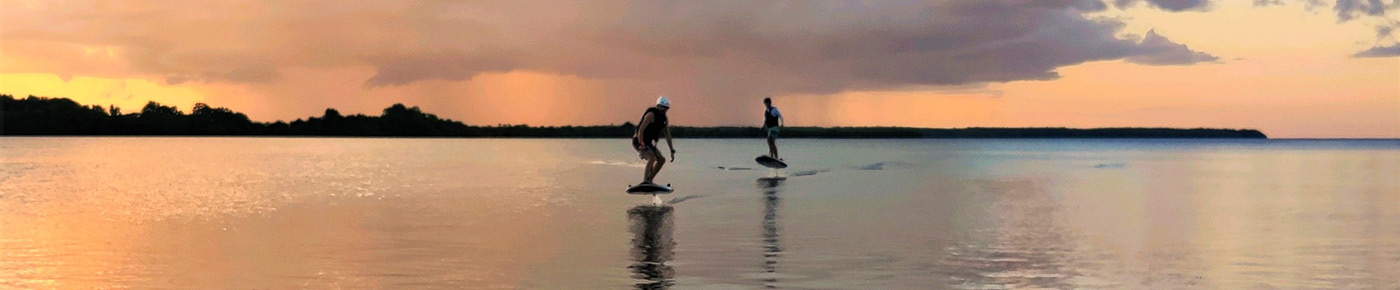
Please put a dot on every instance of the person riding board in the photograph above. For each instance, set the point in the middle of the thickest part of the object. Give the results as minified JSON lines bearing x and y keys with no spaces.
{"x":772,"y":120}
{"x":649,"y":129}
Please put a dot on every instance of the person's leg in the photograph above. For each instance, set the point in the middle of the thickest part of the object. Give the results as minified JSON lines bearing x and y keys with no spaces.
{"x":773,"y":142}
{"x":653,"y":164}
{"x":646,"y":172}
{"x":772,"y":148}
{"x":645,"y":154}
{"x":660,"y":161}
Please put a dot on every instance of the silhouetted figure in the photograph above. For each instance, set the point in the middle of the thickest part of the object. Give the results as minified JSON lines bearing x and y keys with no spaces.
{"x":653,"y":124}
{"x":651,"y":246}
{"x":772,"y":122}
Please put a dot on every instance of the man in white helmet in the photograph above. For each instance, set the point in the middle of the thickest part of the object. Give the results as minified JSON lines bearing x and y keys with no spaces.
{"x":650,"y":128}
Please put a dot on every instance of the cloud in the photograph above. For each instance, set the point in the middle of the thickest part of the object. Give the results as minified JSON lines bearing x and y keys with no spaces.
{"x":448,"y":65}
{"x":1158,"y":50}
{"x":1310,"y":4}
{"x":1169,"y":5}
{"x":1346,"y":10}
{"x":1374,"y":11}
{"x":798,"y":47}
{"x":196,"y":42}
{"x":1380,"y":51}
{"x":249,"y":73}
{"x":1351,"y":9}
{"x":724,"y":51}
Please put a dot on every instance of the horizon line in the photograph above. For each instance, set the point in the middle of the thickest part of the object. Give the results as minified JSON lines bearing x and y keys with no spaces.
{"x":629,"y":122}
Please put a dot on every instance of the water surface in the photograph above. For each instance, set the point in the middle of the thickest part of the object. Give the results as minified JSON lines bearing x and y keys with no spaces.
{"x":258,"y":213}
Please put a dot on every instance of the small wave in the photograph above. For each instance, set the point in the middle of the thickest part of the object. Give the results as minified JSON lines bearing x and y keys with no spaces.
{"x":1111,"y":165}
{"x":808,"y":172}
{"x":618,"y":163}
{"x":684,"y":198}
{"x":877,"y":165}
{"x":734,"y":168}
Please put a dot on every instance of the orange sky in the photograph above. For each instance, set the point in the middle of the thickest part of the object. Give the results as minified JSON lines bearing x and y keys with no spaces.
{"x":1290,"y":70}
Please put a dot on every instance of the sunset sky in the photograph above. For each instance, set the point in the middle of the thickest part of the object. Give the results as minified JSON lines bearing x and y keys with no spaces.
{"x":1291,"y":68}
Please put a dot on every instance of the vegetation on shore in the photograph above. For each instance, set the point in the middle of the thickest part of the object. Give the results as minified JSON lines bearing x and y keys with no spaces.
{"x":61,"y":116}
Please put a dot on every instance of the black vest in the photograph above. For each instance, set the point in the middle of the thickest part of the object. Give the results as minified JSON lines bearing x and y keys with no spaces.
{"x":658,"y":122}
{"x":769,"y":121}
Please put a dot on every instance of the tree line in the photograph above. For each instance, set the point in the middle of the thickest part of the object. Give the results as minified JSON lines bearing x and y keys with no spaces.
{"x":61,"y":116}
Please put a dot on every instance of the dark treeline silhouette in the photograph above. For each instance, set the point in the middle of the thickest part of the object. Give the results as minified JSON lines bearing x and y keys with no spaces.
{"x":61,"y":116}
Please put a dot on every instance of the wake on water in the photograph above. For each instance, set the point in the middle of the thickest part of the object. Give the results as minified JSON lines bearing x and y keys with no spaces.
{"x":684,"y":198}
{"x":872,"y":166}
{"x":1111,"y":165}
{"x":808,"y":172}
{"x":776,"y":172}
{"x":882,"y":165}
{"x":618,"y":163}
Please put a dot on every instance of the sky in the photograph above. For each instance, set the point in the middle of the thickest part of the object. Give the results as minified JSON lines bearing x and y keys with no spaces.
{"x":1290,"y":68}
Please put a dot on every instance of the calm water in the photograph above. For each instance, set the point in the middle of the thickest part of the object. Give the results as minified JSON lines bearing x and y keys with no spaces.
{"x":259,"y":213}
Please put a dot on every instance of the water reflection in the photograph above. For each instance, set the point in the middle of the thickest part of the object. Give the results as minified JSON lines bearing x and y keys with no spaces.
{"x":270,"y":213}
{"x":772,"y":250}
{"x":1022,"y":245}
{"x":651,"y":246}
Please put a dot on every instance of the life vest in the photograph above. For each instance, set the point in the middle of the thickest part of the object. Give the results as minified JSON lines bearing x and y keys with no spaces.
{"x":769,"y":120}
{"x":652,"y":132}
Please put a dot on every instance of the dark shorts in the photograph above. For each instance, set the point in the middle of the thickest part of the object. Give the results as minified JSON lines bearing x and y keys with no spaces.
{"x":644,"y":147}
{"x":772,"y":132}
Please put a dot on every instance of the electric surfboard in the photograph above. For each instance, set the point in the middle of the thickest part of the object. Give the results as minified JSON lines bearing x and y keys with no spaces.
{"x":770,"y":162}
{"x":650,"y":188}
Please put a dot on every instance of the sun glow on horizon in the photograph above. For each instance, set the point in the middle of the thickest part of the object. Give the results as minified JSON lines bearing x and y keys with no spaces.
{"x":128,"y":94}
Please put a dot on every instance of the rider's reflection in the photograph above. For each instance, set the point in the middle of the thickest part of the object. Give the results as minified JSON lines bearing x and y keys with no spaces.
{"x":771,"y":249}
{"x":651,"y":246}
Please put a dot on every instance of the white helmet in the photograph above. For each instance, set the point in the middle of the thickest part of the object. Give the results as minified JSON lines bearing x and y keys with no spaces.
{"x":663,"y":101}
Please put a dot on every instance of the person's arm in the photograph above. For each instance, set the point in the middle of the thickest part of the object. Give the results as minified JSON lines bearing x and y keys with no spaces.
{"x":670,"y":145}
{"x":781,"y":121}
{"x":642,"y":126}
{"x":779,"y":114}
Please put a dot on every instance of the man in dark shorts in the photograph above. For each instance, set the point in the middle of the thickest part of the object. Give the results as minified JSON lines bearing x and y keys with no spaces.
{"x":650,"y":128}
{"x":772,"y":120}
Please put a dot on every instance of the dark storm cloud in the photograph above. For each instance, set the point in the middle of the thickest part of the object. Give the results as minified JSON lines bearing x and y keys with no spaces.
{"x":724,"y":48}
{"x":802,"y":47}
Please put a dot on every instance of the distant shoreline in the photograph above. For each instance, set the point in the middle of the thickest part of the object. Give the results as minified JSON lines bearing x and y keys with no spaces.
{"x":4,"y":135}
{"x":39,"y":116}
